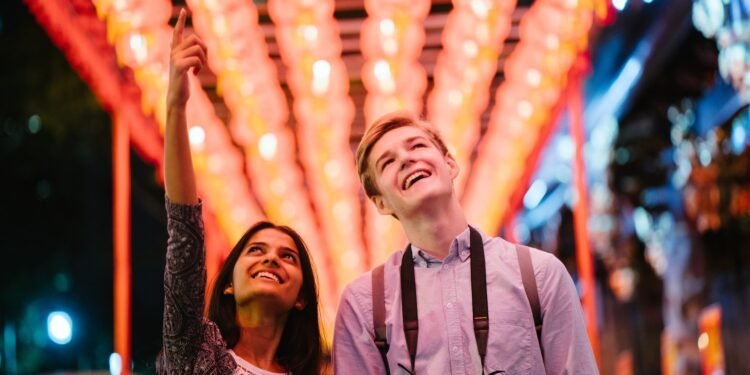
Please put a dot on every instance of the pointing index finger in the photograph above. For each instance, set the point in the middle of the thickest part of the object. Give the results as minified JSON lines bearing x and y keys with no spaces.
{"x":178,"y":28}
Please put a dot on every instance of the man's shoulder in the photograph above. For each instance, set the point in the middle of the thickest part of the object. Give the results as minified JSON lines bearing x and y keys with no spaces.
{"x":361,"y":287}
{"x":508,"y":251}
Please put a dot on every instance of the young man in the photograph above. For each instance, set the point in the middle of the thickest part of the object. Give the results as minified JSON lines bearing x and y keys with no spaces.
{"x":408,"y":172}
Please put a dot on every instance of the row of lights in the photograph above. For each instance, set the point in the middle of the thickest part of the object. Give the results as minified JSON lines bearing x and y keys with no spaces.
{"x":310,"y":46}
{"x":391,"y":40}
{"x":248,"y":82}
{"x":473,"y":38}
{"x":552,"y":34}
{"x":141,"y":34}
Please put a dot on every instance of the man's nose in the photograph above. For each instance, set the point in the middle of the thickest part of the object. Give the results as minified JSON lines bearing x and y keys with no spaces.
{"x":405,"y":159}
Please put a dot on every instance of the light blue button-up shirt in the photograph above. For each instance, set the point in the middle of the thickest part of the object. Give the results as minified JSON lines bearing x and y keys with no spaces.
{"x":446,"y":343}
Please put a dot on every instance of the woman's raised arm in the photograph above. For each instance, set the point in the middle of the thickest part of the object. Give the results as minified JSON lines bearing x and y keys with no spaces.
{"x":186,"y":53}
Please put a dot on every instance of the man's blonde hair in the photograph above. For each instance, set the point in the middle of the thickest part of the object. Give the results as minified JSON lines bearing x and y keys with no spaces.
{"x":376,"y":131}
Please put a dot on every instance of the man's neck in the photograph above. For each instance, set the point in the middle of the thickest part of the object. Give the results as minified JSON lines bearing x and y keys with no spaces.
{"x":433,"y":229}
{"x":260,"y":335}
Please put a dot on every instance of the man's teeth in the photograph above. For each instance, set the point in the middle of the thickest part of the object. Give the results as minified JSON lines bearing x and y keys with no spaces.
{"x":414,"y":177}
{"x":268,"y":275}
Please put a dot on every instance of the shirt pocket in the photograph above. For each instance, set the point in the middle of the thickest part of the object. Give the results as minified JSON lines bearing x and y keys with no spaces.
{"x":509,"y":347}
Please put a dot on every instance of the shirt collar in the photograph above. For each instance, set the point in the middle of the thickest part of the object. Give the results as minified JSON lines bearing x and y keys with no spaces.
{"x":460,"y":247}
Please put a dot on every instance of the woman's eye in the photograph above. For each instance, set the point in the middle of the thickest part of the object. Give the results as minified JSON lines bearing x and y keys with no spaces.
{"x":290,"y":257}
{"x":253,"y":249}
{"x":385,"y":164}
{"x":419,"y":145}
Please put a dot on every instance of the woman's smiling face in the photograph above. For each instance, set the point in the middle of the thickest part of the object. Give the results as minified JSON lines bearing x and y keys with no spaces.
{"x":268,"y":270}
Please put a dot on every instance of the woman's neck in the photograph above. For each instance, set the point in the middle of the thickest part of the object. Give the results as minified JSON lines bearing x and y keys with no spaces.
{"x":260,"y":336}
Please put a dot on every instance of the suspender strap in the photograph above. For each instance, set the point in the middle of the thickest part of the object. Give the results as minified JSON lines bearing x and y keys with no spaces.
{"x":479,"y":293}
{"x":378,"y":314}
{"x":529,"y":285}
{"x":409,"y":302}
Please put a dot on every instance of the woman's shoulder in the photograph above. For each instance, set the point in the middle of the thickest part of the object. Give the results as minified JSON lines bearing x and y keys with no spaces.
{"x":213,"y":355}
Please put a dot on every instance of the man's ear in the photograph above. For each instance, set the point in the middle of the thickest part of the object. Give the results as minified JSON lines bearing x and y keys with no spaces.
{"x":229,"y":290}
{"x":381,"y":205}
{"x":452,"y":165}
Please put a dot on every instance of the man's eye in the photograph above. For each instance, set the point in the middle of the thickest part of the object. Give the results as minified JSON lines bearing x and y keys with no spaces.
{"x":419,"y":145}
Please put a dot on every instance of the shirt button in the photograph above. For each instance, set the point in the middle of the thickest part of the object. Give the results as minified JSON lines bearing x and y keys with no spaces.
{"x":449,"y":305}
{"x":455,"y":349}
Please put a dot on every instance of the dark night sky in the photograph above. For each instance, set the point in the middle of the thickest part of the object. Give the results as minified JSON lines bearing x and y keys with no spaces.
{"x":56,"y":222}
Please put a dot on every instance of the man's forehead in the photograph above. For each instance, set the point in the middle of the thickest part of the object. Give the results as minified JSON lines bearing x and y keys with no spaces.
{"x":394,"y":137}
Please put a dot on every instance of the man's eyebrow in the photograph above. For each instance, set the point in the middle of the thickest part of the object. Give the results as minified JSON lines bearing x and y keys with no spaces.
{"x":415,"y":138}
{"x":406,"y":141}
{"x":383,"y":156}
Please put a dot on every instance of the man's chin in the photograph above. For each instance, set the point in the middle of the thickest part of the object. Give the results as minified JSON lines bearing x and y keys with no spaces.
{"x":423,"y":200}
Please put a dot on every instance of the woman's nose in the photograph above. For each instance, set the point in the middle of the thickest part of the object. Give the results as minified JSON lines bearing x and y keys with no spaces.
{"x":270,"y":259}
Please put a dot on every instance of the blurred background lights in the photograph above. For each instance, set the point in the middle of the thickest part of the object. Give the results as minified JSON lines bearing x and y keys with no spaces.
{"x":267,"y":145}
{"x":35,"y":124}
{"x":533,"y":77}
{"x":197,"y":135}
{"x":138,"y":46}
{"x":738,"y":137}
{"x":703,"y":341}
{"x":565,"y":147}
{"x":471,"y":48}
{"x":59,"y":327}
{"x":480,"y":8}
{"x":619,"y":4}
{"x":115,"y":364}
{"x":525,"y":109}
{"x":642,"y":221}
{"x":350,"y":259}
{"x":387,"y":27}
{"x":534,"y":195}
{"x":332,"y":169}
{"x":552,"y":41}
{"x":310,"y":33}
{"x":384,"y":76}
{"x":321,"y":77}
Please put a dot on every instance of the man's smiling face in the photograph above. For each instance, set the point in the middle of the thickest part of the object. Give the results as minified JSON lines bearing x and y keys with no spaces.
{"x":409,"y":170}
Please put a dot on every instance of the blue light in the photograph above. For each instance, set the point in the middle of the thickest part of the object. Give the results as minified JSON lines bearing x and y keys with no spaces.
{"x":643,"y":223}
{"x":115,"y":364}
{"x":536,"y":192}
{"x":59,"y":327}
{"x":619,"y":4}
{"x":739,"y":135}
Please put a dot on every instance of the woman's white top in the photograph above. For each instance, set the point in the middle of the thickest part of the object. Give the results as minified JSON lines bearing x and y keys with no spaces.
{"x":246,"y":368}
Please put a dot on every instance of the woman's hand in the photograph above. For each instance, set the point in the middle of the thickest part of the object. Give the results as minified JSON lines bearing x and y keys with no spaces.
{"x":186,"y":53}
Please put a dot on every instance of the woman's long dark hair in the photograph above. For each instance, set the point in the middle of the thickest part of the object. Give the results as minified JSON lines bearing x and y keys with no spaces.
{"x":301,"y":348}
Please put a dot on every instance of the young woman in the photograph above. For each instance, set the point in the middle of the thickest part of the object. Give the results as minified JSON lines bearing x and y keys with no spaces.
{"x":263,"y":312}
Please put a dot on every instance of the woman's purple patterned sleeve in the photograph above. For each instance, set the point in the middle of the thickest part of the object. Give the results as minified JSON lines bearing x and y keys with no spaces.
{"x":184,"y":286}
